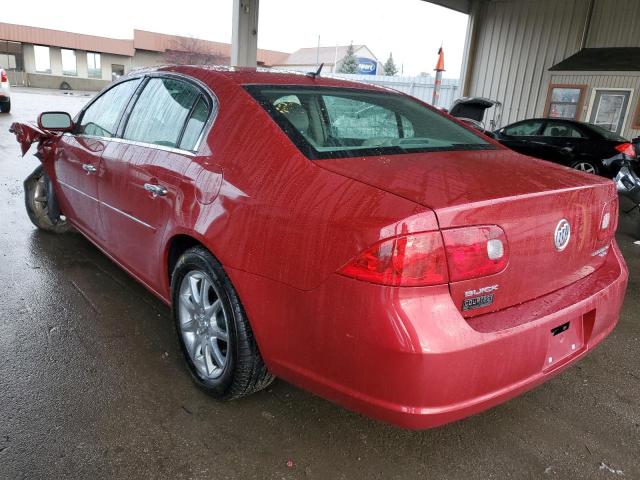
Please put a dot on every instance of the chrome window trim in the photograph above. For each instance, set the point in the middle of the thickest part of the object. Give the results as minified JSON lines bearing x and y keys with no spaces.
{"x":136,"y":143}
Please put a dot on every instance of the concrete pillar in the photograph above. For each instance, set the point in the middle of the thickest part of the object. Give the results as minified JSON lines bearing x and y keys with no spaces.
{"x":470,"y":46}
{"x":244,"y":39}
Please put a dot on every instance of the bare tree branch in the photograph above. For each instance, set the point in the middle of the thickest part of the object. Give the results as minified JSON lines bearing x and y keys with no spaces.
{"x":193,"y":51}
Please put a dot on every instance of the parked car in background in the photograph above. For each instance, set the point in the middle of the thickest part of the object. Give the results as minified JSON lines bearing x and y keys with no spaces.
{"x":349,"y":239}
{"x":5,"y":92}
{"x":578,"y":145}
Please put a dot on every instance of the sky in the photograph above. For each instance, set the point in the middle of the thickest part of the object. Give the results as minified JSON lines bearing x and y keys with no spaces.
{"x":412,"y":30}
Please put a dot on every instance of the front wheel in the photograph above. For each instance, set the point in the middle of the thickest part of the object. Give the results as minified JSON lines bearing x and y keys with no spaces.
{"x":36,"y":199}
{"x":214,"y":333}
{"x":586,"y":166}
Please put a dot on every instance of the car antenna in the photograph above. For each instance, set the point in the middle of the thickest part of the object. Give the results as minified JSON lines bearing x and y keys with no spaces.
{"x":316,"y":73}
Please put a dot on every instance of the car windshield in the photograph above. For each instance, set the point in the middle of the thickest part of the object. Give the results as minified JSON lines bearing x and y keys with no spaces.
{"x":608,"y":134}
{"x":327,"y":122}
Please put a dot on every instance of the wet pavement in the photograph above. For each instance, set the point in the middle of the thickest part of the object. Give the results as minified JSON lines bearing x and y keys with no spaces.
{"x":92,"y":384}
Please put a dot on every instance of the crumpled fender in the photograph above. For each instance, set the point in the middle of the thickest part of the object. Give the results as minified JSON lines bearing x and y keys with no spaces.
{"x":27,"y":134}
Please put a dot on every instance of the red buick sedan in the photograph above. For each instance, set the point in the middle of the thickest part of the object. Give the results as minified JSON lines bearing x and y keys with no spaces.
{"x":349,"y":239}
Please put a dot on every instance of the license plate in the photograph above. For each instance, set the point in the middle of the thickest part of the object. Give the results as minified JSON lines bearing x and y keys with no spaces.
{"x":565,"y":339}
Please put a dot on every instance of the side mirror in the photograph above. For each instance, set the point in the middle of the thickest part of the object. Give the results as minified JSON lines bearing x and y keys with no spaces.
{"x":55,"y":121}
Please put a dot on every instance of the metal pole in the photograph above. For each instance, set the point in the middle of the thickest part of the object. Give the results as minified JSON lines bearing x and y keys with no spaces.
{"x":587,"y":26}
{"x":318,"y":53}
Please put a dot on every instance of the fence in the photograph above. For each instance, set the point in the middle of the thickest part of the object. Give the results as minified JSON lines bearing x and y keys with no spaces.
{"x":17,"y":78}
{"x":419,"y":87}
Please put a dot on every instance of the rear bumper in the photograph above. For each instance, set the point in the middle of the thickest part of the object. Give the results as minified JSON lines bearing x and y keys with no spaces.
{"x":406,"y":356}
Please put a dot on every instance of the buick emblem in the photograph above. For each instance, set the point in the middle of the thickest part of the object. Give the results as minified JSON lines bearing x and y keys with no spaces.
{"x":562,"y":235}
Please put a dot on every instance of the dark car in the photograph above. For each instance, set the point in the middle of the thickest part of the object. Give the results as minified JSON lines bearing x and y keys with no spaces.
{"x":578,"y":145}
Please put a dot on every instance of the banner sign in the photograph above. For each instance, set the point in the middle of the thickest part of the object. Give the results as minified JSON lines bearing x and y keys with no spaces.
{"x":366,"y":66}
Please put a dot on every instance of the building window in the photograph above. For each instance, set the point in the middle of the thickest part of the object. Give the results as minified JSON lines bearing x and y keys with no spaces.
{"x":94,"y":67}
{"x":11,"y":55}
{"x":565,"y":101}
{"x":7,"y":61}
{"x":69,"y":65}
{"x":117,"y":71}
{"x":42,"y":59}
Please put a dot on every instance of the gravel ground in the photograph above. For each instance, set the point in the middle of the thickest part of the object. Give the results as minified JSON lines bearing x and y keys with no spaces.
{"x":92,"y":384}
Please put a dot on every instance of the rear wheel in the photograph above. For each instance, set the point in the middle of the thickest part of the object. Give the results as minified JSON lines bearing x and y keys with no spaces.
{"x":5,"y":107}
{"x":214,"y":333}
{"x":586,"y":166}
{"x":36,"y":195}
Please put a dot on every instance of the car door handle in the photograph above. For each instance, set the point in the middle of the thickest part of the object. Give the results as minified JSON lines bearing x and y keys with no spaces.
{"x":87,"y":167}
{"x":155,"y":190}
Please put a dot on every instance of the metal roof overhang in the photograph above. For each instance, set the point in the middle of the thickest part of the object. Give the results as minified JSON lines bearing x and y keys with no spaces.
{"x":462,"y":6}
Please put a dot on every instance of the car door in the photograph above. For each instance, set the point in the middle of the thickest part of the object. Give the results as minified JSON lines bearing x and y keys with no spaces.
{"x":521,"y":136}
{"x":79,"y":154}
{"x":561,"y":142}
{"x":142,"y":171}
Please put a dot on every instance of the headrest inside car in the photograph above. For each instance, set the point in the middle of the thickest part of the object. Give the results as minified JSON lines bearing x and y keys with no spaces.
{"x":295,"y":114}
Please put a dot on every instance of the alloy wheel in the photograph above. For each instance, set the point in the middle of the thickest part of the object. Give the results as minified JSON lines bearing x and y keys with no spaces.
{"x":204,"y":324}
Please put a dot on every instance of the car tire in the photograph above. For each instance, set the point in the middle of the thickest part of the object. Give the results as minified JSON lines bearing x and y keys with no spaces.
{"x":585,"y":166}
{"x":213,"y":330}
{"x":35,"y":199}
{"x":5,"y":107}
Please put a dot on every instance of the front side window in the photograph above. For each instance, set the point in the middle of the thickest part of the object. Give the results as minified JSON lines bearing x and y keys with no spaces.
{"x":564,"y":102}
{"x":94,"y":67}
{"x":161,"y":111}
{"x":69,"y":65}
{"x":101,"y":118}
{"x":42,"y":59}
{"x":524,"y":129}
{"x":562,"y":130}
{"x":327,"y":122}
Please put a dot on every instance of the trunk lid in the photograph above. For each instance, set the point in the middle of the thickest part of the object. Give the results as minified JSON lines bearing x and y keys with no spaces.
{"x":526,"y":197}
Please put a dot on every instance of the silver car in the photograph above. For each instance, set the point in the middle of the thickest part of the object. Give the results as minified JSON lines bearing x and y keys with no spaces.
{"x":5,"y":94}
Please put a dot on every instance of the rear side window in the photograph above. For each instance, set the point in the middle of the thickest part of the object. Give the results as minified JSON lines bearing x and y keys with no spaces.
{"x":562,"y":130}
{"x":195,"y":124}
{"x":326,"y":122}
{"x":160,"y":113}
{"x":101,"y":118}
{"x":524,"y":129}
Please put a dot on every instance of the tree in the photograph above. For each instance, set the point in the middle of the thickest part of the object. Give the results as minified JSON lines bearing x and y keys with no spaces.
{"x":192,"y":51}
{"x":349,"y":62}
{"x":389,"y":67}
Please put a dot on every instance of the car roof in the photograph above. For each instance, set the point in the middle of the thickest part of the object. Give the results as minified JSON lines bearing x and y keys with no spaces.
{"x":260,"y":76}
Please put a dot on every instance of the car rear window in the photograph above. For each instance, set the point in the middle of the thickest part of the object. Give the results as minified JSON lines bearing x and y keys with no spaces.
{"x":327,"y":122}
{"x":608,"y":134}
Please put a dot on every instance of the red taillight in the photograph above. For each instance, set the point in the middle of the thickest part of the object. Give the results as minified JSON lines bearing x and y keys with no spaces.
{"x":475,"y":251}
{"x":627,"y":149}
{"x":405,"y":261}
{"x":3,"y":76}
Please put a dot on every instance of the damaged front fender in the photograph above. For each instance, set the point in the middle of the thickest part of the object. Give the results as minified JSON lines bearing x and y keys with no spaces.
{"x":28,"y":134}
